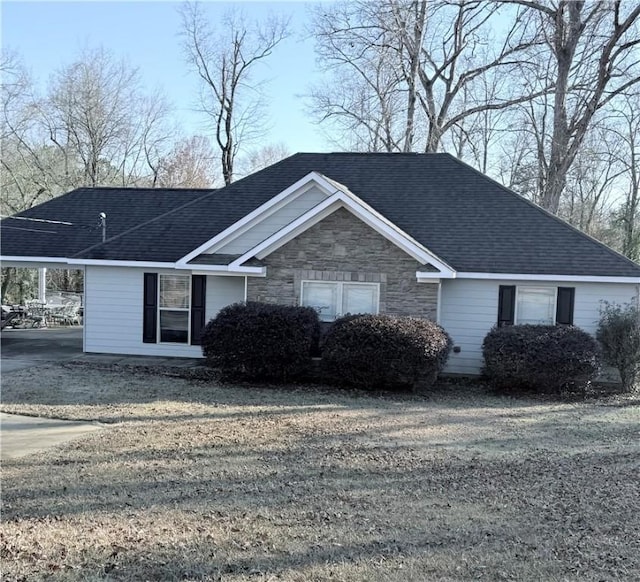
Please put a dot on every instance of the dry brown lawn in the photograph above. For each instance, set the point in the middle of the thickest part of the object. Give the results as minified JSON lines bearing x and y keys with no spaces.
{"x":207,"y":482}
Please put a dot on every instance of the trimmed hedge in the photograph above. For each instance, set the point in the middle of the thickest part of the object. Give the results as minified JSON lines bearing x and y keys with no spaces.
{"x":544,"y":358}
{"x":384,"y":352}
{"x":261,"y":341}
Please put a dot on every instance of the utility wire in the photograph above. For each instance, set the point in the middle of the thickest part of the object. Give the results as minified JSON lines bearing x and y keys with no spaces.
{"x":39,"y":220}
{"x":30,"y":229}
{"x":44,"y":220}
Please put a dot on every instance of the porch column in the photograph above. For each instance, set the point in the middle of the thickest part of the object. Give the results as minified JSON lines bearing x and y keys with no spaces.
{"x":42,"y":285}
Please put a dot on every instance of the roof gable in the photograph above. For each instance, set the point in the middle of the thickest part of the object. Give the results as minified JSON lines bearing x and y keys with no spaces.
{"x":268,"y":217}
{"x":343,"y":198}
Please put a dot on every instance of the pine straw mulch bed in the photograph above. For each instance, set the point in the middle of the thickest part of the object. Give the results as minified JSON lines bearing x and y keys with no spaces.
{"x":196,"y":480}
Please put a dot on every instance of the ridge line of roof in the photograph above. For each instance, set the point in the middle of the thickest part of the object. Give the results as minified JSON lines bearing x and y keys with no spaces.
{"x":144,"y":188}
{"x":137,"y":226}
{"x":413,"y":154}
{"x":545,"y":212}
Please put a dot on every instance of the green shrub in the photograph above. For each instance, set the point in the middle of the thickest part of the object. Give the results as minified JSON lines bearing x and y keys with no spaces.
{"x":619,"y":334}
{"x":544,"y":358}
{"x":261,"y":341}
{"x":381,"y":351}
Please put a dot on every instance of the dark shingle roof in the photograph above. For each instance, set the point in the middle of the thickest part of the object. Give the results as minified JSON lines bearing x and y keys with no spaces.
{"x":126,"y":208}
{"x":467,"y":219}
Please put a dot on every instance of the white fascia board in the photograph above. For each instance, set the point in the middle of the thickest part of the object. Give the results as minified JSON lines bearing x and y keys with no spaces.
{"x":367,"y":215}
{"x":260,"y":272}
{"x":267,"y":209}
{"x":223,"y":270}
{"x":432,"y":277}
{"x":219,"y":269}
{"x":394,"y":234}
{"x":290,"y":231}
{"x":114,"y":263}
{"x":535,"y":277}
{"x":14,"y":259}
{"x":423,"y":251}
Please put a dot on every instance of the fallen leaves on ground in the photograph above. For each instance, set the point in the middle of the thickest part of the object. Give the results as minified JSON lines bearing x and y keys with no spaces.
{"x":195,"y":481}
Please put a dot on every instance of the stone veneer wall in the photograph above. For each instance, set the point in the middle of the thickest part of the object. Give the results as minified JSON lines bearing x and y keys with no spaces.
{"x":343,"y":248}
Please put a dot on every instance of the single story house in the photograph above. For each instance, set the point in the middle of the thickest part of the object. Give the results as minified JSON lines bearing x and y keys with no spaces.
{"x":406,"y":234}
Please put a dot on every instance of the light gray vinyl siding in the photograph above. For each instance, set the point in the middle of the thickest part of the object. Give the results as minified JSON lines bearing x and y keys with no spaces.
{"x":113,"y":310}
{"x":274,"y":222}
{"x":222,"y":291}
{"x":469,"y":309}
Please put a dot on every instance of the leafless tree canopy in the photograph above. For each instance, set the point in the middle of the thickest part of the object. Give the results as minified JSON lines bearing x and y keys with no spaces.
{"x":24,"y":176}
{"x":259,"y":158}
{"x":225,"y":59}
{"x":535,"y":92}
{"x":544,"y":95}
{"x":409,"y":73}
{"x":590,"y":60}
{"x":189,"y":164}
{"x":101,"y":121}
{"x":94,"y":125}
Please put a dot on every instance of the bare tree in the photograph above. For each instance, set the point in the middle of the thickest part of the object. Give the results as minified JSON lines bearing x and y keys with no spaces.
{"x":225,"y":62}
{"x":101,"y":121}
{"x":424,"y":65}
{"x":189,"y":164}
{"x":476,"y":137}
{"x":593,"y":49}
{"x":592,"y":183}
{"x":627,"y":215}
{"x":262,"y":157}
{"x":16,"y":87}
{"x":25,"y":164}
{"x":356,"y":42}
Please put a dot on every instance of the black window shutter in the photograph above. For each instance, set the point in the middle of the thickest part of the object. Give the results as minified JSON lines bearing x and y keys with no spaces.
{"x":564,"y":307}
{"x":150,"y":309}
{"x":506,"y":305}
{"x":198,"y":305}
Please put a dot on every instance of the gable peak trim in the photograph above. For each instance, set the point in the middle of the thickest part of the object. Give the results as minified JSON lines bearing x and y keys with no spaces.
{"x":363,"y":212}
{"x":263,"y":211}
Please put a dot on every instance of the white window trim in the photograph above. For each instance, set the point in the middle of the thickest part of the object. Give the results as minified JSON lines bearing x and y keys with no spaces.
{"x":524,"y":287}
{"x":339,"y":295}
{"x":187,"y":309}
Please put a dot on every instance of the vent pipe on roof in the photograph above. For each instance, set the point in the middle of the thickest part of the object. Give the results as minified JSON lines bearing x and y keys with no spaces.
{"x":103,"y":224}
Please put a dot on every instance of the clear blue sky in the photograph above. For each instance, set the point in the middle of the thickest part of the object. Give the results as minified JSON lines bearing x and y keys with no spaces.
{"x":50,"y":34}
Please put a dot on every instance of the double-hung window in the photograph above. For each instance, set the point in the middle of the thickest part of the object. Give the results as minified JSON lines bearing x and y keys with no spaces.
{"x":333,"y":299}
{"x":535,"y":304}
{"x":174,"y":294}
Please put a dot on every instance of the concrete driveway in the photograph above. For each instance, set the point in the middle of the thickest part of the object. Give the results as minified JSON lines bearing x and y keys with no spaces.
{"x":25,"y":348}
{"x":23,"y":435}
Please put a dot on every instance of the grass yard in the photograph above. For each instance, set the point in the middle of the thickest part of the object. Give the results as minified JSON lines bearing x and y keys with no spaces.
{"x":206,"y":482}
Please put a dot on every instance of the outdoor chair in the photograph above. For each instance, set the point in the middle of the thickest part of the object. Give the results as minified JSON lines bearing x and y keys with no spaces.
{"x":68,"y":314}
{"x":36,"y":314}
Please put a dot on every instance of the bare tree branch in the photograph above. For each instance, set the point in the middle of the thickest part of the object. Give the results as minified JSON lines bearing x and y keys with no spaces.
{"x":224,"y":62}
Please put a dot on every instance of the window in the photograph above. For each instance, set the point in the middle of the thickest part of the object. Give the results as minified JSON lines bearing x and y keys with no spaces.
{"x":173,"y":307}
{"x":331,"y":299}
{"x":536,"y":305}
